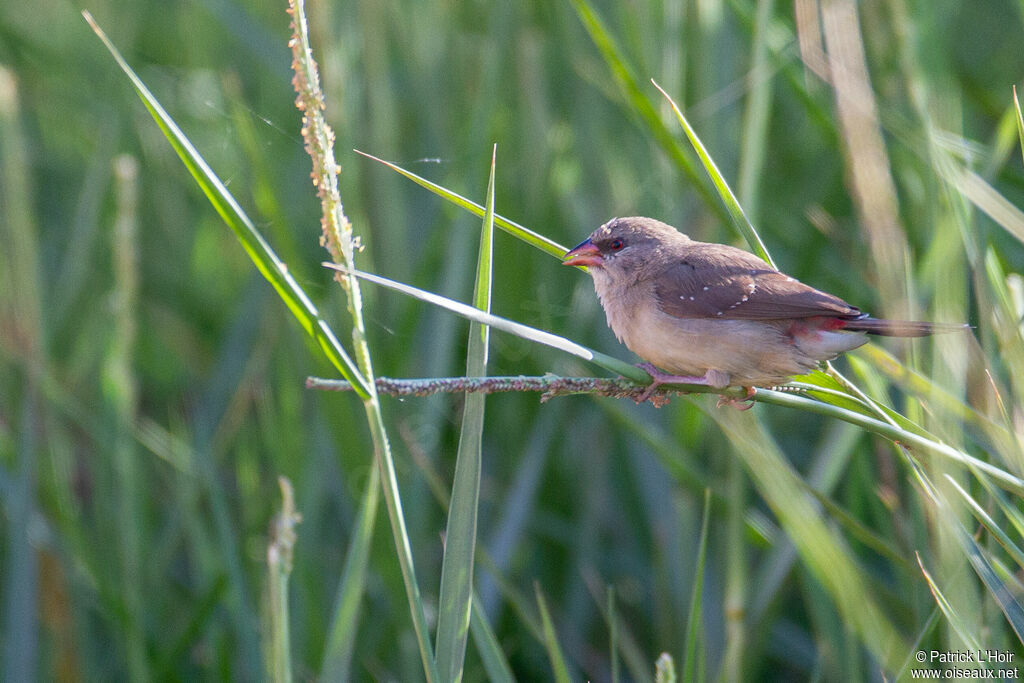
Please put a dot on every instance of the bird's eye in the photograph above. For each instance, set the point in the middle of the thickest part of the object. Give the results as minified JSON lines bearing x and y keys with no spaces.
{"x":615,"y":244}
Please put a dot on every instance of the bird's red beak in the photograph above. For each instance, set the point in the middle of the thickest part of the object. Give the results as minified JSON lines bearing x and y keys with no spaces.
{"x":585,"y":253}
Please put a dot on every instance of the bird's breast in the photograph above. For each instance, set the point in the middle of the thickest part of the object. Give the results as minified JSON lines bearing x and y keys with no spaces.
{"x":622,"y":303}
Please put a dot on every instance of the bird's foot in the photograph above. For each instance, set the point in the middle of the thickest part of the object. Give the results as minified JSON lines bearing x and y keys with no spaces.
{"x":711,"y":378}
{"x":745,"y":403}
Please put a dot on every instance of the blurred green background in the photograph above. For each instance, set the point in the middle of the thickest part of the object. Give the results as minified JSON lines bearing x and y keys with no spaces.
{"x":152,"y":383}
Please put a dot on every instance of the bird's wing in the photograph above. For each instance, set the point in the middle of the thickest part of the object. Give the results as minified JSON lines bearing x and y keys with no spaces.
{"x":719,"y":281}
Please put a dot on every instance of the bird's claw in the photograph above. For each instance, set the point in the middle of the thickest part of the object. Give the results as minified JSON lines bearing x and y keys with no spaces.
{"x":745,"y":403}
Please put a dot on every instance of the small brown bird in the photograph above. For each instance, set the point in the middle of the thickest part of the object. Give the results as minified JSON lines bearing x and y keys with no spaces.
{"x":715,"y":315}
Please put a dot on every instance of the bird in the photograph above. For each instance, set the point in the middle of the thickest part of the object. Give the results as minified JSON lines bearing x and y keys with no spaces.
{"x":715,"y":315}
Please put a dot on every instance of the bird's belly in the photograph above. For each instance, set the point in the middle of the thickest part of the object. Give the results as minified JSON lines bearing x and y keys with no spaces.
{"x":751,"y":352}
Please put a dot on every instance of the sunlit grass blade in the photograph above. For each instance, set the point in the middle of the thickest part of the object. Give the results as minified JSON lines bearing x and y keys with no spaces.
{"x":824,"y":554}
{"x":341,"y":639}
{"x":920,"y":385}
{"x":456,"y":595}
{"x":987,"y":198}
{"x":559,"y":669}
{"x":1009,"y":507}
{"x":986,"y":521}
{"x":258,"y":249}
{"x":732,"y":205}
{"x":952,"y":615}
{"x":1020,"y":120}
{"x":548,"y":246}
{"x":693,"y":661}
{"x":1011,"y":607}
{"x":665,"y":669}
{"x":638,"y":102}
{"x":895,"y":433}
{"x":1004,"y":597}
{"x":539,"y":336}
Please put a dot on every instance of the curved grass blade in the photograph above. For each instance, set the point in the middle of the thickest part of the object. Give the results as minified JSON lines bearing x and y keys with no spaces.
{"x":986,"y":521}
{"x":895,"y":433}
{"x":1020,"y":120}
{"x":1012,"y":609}
{"x":954,"y":618}
{"x":693,"y":661}
{"x":736,"y":213}
{"x":261,"y":253}
{"x":541,"y":337}
{"x":613,"y":635}
{"x":822,"y":550}
{"x":555,"y":655}
{"x":639,"y":103}
{"x":487,"y":646}
{"x":456,"y":596}
{"x":622,"y":642}
{"x":341,"y":640}
{"x":548,"y":246}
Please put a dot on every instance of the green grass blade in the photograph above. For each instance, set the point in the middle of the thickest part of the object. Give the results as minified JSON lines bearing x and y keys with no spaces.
{"x":555,"y":655}
{"x":623,"y":647}
{"x":757,"y":112}
{"x":548,"y":246}
{"x":495,"y":663}
{"x":639,"y":103}
{"x":1013,"y":515}
{"x":456,"y":597}
{"x":261,"y":253}
{"x":1010,"y":606}
{"x":825,"y":555}
{"x":1020,"y":120}
{"x":341,"y":640}
{"x":665,"y":669}
{"x":613,"y":635}
{"x":736,"y":213}
{"x":539,"y":336}
{"x":1005,"y":595}
{"x":956,"y":621}
{"x":986,"y":521}
{"x":693,"y":667}
{"x":911,"y":438}
{"x":279,"y":568}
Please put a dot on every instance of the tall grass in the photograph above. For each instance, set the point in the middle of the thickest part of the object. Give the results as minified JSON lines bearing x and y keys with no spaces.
{"x":142,"y":434}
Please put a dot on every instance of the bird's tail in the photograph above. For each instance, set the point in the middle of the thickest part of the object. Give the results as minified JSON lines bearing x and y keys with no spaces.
{"x":901,"y":328}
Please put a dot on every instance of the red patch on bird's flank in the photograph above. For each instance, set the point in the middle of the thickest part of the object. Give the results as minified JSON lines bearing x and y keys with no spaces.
{"x":833,"y":324}
{"x":807,"y":327}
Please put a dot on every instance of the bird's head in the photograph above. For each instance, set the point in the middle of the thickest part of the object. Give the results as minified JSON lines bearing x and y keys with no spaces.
{"x":625,"y":244}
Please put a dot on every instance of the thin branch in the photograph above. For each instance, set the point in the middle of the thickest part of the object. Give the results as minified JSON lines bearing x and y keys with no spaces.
{"x":550,"y":385}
